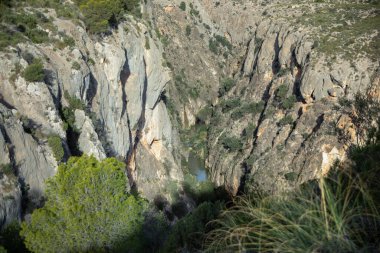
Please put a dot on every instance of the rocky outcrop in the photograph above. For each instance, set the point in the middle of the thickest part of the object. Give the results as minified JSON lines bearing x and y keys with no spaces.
{"x":119,"y":81}
{"x":134,"y":90}
{"x":10,"y":192}
{"x":88,"y":141}
{"x":294,"y":137}
{"x":278,"y":126}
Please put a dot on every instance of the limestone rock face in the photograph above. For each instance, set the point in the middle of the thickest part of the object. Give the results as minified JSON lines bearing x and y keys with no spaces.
{"x":135,"y":89}
{"x":31,"y":159}
{"x":88,"y":139}
{"x":119,"y":83}
{"x":299,"y":139}
{"x":275,"y":45}
{"x":10,"y":192}
{"x":10,"y":199}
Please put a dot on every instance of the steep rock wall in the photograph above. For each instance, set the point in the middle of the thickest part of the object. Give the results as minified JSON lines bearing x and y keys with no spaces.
{"x":119,"y":81}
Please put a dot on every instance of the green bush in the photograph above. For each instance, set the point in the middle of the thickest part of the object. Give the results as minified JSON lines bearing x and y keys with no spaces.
{"x":205,"y":113}
{"x":289,"y":102}
{"x":281,"y":97}
{"x":228,"y":105}
{"x":75,"y":65}
{"x":213,"y":46}
{"x":87,"y":210}
{"x":34,"y":72}
{"x":219,"y":41}
{"x":68,"y":113}
{"x":37,"y":36}
{"x":223,"y":41}
{"x":9,"y":38}
{"x":281,"y":92}
{"x":287,"y":120}
{"x":232,"y":144}
{"x":248,"y":132}
{"x":188,"y":30}
{"x":225,"y":86}
{"x":6,"y":169}
{"x":55,"y":143}
{"x":182,"y":6}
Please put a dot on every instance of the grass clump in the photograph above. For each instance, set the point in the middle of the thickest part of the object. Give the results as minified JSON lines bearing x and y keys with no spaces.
{"x":334,"y":214}
{"x":34,"y":72}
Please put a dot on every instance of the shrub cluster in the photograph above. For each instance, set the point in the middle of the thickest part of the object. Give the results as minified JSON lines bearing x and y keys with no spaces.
{"x":34,"y":72}
{"x":287,"y":120}
{"x":231,"y":143}
{"x":68,"y":113}
{"x":253,"y":108}
{"x":100,"y":15}
{"x":218,"y":42}
{"x":225,"y":86}
{"x":230,"y":104}
{"x":282,"y":99}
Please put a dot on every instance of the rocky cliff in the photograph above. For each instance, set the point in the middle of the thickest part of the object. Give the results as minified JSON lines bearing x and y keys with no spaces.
{"x":254,"y":87}
{"x":117,"y":82}
{"x":284,"y":70}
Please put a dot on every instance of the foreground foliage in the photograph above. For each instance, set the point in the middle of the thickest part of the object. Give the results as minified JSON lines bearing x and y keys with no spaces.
{"x":339,"y":213}
{"x":87,"y":209}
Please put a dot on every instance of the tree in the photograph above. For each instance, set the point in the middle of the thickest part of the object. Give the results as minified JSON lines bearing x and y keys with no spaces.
{"x":87,"y":210}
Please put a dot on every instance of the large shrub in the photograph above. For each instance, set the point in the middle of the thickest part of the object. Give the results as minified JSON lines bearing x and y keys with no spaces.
{"x":87,"y":210}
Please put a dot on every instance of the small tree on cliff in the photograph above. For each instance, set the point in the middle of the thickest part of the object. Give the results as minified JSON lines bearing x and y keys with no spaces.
{"x":87,"y":209}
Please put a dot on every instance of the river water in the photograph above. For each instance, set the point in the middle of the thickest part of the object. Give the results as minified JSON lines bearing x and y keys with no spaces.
{"x":197,"y":167}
